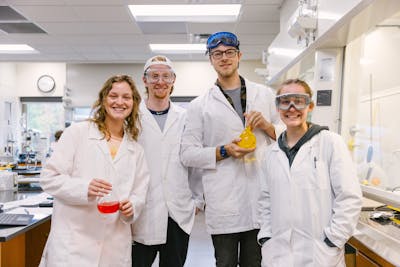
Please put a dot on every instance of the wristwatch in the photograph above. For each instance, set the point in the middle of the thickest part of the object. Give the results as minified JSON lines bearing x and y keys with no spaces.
{"x":223,"y":153}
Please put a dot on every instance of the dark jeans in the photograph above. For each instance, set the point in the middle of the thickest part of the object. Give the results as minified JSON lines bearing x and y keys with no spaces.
{"x":172,"y":254}
{"x":237,"y":248}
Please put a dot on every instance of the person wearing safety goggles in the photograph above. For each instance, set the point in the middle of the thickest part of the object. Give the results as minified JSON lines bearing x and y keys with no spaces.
{"x":167,"y":219}
{"x":230,"y":172}
{"x":310,"y":196}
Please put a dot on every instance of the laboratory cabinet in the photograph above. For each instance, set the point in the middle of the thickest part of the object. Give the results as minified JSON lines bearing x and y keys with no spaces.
{"x":22,"y":246}
{"x":25,"y":249}
{"x":362,"y":256}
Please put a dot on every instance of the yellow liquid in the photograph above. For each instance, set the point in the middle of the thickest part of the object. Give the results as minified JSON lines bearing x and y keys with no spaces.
{"x":248,"y":139}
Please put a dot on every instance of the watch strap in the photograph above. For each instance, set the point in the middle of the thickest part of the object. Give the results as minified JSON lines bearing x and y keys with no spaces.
{"x":223,"y":152}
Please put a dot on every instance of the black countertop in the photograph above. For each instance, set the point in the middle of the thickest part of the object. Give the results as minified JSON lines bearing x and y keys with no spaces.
{"x":8,"y":232}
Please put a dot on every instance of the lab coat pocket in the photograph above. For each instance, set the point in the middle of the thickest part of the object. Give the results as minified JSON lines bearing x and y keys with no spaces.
{"x":321,"y":174}
{"x":220,"y":192}
{"x":325,"y":256}
{"x":276,"y":253}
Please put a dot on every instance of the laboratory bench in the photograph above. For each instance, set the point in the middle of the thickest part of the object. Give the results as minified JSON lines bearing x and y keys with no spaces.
{"x":23,"y":245}
{"x":375,"y":242}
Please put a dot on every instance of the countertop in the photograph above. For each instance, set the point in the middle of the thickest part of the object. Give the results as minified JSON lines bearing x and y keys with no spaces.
{"x":384,"y":240}
{"x":12,"y":201}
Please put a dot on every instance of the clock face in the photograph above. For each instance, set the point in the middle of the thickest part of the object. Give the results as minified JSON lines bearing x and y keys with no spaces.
{"x":46,"y":83}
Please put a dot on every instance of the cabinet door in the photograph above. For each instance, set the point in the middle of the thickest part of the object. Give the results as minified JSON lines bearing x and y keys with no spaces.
{"x":364,"y":261}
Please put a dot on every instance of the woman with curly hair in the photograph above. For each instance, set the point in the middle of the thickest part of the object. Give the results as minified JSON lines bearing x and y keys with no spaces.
{"x":92,"y":159}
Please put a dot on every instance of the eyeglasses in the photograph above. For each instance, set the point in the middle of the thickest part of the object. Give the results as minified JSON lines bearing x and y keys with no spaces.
{"x":230,"y":53}
{"x":225,"y":38}
{"x":298,"y":101}
{"x":155,"y":77}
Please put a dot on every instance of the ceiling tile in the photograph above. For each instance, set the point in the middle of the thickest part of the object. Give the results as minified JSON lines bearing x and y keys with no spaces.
{"x":162,"y":27}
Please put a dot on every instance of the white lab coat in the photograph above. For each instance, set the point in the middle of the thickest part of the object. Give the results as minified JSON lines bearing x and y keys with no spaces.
{"x":231,"y":186}
{"x":80,"y":235}
{"x":317,"y":197}
{"x":169,"y":191}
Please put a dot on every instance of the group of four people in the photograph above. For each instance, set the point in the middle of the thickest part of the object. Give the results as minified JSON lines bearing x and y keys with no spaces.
{"x":301,"y":191}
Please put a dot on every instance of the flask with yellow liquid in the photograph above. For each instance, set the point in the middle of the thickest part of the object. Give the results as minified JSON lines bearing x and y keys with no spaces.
{"x":248,"y":139}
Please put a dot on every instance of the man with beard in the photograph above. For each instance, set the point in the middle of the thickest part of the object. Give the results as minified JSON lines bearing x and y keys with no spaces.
{"x":168,"y":216}
{"x":230,"y":173}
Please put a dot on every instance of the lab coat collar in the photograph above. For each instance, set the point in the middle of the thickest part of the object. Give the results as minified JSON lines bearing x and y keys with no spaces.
{"x":251,"y":95}
{"x":217,"y":94}
{"x":172,"y":116}
{"x":147,"y":117}
{"x":282,"y":159}
{"x":95,"y":134}
{"x":304,"y":152}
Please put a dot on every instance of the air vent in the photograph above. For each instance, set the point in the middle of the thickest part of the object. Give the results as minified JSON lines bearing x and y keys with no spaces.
{"x":200,"y":38}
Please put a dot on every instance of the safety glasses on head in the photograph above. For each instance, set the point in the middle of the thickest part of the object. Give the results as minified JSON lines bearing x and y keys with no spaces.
{"x":224,"y":38}
{"x":298,"y":101}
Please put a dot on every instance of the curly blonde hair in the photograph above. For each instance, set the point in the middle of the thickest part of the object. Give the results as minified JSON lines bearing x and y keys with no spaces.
{"x":132,"y":122}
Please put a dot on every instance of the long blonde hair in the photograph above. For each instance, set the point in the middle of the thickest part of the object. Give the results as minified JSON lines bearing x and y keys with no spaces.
{"x":132,"y":122}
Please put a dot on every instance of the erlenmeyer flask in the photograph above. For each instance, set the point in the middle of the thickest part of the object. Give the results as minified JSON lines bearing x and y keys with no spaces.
{"x":108,"y":203}
{"x":248,"y":139}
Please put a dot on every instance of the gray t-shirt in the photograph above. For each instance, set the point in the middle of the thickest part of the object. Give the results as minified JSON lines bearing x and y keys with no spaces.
{"x":237,"y":103}
{"x":161,"y":119}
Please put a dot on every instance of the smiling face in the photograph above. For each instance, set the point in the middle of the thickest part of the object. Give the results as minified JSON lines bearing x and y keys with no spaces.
{"x":118,"y":103}
{"x":292,"y":117}
{"x":225,"y":63}
{"x":159,"y":81}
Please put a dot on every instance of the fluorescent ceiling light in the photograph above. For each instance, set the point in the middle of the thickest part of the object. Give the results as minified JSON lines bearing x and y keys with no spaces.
{"x":16,"y":49}
{"x":192,"y":13}
{"x":178,"y":48}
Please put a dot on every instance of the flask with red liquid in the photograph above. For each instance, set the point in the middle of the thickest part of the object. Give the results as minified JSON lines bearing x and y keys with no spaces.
{"x":108,"y":203}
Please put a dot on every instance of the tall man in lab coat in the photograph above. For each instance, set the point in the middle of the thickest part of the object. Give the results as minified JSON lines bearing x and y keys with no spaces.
{"x":167,"y":219}
{"x":230,"y":173}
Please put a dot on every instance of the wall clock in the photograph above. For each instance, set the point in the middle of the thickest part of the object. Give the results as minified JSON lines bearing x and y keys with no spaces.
{"x":46,"y":83}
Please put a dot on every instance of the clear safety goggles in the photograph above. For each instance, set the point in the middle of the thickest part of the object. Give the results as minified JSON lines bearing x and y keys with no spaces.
{"x":157,"y":76}
{"x":298,"y":101}
{"x":224,"y":38}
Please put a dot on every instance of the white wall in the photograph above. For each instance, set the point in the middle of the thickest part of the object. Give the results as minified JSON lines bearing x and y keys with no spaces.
{"x":85,"y":80}
{"x":28,"y":74}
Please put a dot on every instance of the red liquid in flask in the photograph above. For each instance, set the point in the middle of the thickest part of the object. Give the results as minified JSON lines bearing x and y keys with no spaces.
{"x":108,"y":207}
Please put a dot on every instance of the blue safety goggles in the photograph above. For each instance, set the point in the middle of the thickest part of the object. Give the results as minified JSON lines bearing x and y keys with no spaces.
{"x":224,"y":38}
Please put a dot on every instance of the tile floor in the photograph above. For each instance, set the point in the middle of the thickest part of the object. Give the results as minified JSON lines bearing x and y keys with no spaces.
{"x":200,"y":252}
